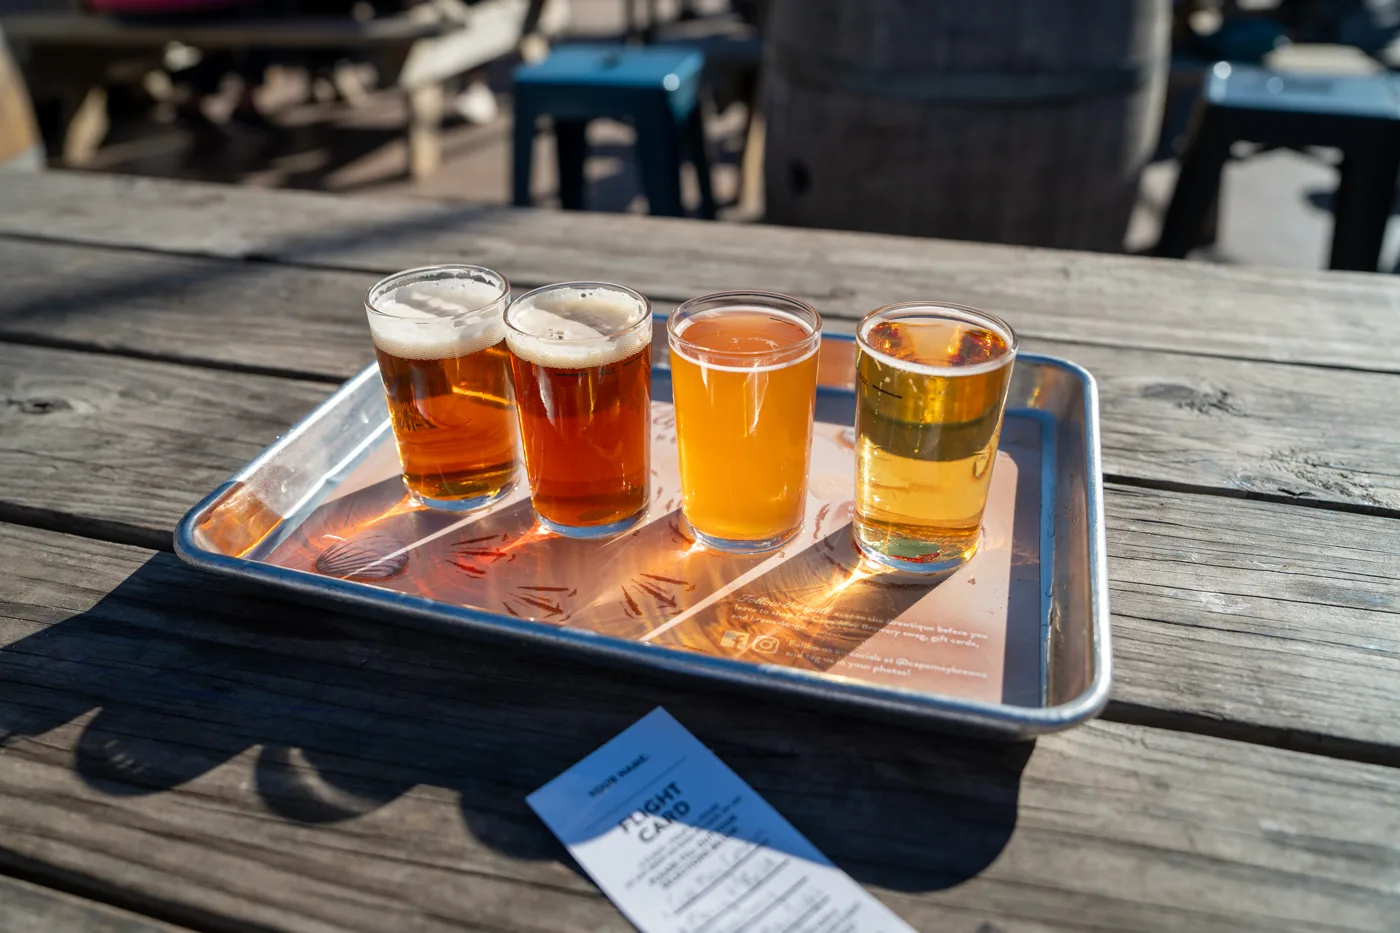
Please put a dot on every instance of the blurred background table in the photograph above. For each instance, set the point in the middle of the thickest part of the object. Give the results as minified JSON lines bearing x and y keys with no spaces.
{"x":176,"y":753}
{"x":1033,"y":127}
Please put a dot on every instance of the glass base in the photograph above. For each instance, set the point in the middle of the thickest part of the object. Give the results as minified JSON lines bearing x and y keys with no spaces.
{"x":467,"y":504}
{"x":737,"y":546}
{"x":912,"y":562}
{"x":585,"y":532}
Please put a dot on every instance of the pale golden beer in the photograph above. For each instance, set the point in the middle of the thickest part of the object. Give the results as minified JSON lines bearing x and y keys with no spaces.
{"x":439,"y":337}
{"x":931,"y":389}
{"x":580,"y":359}
{"x":744,"y":379}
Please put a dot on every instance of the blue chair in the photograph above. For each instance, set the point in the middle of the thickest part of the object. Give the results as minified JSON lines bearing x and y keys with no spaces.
{"x":1359,"y":115}
{"x":655,"y":89}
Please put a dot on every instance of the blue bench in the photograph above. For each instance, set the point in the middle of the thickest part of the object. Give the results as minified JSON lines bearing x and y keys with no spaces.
{"x":655,"y":89}
{"x":1360,"y":115}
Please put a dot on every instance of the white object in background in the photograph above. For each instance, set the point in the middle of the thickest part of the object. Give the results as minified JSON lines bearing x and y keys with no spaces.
{"x":20,"y":146}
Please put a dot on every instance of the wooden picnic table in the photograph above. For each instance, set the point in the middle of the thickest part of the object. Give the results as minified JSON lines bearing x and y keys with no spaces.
{"x":178,"y":753}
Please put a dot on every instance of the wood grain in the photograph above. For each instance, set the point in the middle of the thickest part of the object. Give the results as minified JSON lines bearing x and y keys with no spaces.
{"x":30,"y":908}
{"x":1226,"y":613}
{"x":1341,"y":319}
{"x":125,"y":446}
{"x":1226,"y":619}
{"x":222,"y":755}
{"x":1185,"y":421}
{"x":226,"y":761}
{"x":258,"y":317}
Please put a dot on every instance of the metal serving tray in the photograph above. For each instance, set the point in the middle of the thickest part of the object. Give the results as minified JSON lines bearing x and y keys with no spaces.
{"x":1012,"y":644}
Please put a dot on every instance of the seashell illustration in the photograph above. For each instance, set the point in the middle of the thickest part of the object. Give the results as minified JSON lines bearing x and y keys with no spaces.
{"x":365,"y":558}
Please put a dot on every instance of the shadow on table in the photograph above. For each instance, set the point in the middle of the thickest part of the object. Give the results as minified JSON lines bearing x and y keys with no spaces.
{"x":185,"y":672}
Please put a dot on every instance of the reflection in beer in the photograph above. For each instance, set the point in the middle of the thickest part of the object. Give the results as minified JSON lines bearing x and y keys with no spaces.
{"x":744,"y":376}
{"x":932,"y":385}
{"x":440,"y":342}
{"x":580,"y":357}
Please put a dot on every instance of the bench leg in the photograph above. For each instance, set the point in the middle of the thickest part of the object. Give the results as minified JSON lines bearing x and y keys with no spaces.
{"x":1361,"y":207}
{"x":659,"y":162}
{"x":522,"y":156}
{"x":571,"y":147}
{"x":1197,"y":187}
{"x":424,"y":130}
{"x":700,"y":158}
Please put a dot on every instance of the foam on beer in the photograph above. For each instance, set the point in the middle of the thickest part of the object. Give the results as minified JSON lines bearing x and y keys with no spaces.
{"x":571,"y":327}
{"x":432,"y":320}
{"x":745,"y":361}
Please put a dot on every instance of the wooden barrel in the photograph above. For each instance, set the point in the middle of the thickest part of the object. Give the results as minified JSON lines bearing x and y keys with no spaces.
{"x":1012,"y":121}
{"x":19,"y":135}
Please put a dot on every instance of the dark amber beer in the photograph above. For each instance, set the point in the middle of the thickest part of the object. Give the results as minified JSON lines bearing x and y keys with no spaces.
{"x":439,"y":336}
{"x":580,"y":358}
{"x":931,"y":389}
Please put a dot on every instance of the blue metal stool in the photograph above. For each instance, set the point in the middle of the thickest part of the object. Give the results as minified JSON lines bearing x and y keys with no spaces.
{"x":654,"y":89}
{"x":1358,"y":115}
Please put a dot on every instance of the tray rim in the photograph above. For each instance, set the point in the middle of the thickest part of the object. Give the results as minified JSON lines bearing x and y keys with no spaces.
{"x":892,"y":702}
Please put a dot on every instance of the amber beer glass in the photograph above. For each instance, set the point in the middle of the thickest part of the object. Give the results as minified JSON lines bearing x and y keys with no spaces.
{"x":580,"y":357}
{"x":744,"y":378}
{"x":931,"y":389}
{"x":439,"y":336}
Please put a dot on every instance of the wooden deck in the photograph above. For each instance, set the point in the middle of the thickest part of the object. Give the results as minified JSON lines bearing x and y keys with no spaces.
{"x":178,"y":749}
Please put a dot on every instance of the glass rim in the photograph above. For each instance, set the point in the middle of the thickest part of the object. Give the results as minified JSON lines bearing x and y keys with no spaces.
{"x":379,"y":289}
{"x":643,"y":302}
{"x":737,"y":297}
{"x":940,"y":310}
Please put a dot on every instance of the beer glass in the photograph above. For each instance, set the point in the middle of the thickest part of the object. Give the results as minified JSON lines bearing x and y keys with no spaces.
{"x":580,"y":359}
{"x":744,"y":381}
{"x":931,"y":388}
{"x":440,"y":340}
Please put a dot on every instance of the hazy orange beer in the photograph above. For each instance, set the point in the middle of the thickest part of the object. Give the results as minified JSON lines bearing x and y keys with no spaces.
{"x":744,"y":378}
{"x":931,"y":390}
{"x":439,"y":337}
{"x":580,"y":357}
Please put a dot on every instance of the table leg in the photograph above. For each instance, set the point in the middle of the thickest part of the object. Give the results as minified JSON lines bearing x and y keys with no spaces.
{"x":659,"y":161}
{"x":700,"y":158}
{"x":1361,"y":206}
{"x":571,"y":146}
{"x":1197,"y":187}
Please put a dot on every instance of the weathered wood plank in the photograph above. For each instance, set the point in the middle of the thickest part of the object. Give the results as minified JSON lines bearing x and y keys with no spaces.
{"x":1227,"y":613}
{"x":127,"y":444}
{"x":30,"y":908}
{"x":255,"y":316}
{"x":1246,"y":428}
{"x":1347,"y":320}
{"x":1225,"y":609}
{"x":1263,"y":429}
{"x":222,"y":754}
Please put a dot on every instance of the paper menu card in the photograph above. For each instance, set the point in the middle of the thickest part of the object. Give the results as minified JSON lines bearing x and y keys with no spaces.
{"x":681,"y":844}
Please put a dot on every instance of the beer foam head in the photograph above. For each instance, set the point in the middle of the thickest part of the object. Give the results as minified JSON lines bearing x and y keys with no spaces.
{"x":744,"y":331}
{"x":436,"y":316}
{"x":578,"y":325}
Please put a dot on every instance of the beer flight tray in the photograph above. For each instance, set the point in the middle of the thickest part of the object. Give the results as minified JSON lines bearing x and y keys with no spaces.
{"x":1012,"y":644}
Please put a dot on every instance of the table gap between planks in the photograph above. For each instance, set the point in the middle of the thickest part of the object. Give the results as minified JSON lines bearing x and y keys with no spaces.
{"x":177,"y":749}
